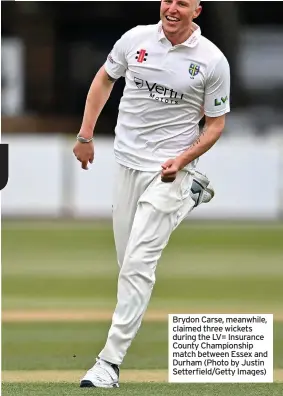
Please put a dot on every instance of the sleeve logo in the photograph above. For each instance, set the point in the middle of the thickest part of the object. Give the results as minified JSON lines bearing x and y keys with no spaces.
{"x":111,"y":60}
{"x":218,"y":102}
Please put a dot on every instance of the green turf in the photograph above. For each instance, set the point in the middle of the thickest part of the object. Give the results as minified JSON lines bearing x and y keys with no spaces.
{"x":51,"y":346}
{"x":252,"y":289}
{"x":146,"y":390}
{"x":75,"y":267}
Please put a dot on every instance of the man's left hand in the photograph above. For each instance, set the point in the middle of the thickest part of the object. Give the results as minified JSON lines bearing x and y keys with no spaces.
{"x":170,"y":168}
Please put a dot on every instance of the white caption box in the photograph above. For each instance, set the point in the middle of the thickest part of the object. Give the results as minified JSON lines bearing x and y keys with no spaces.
{"x":220,"y":348}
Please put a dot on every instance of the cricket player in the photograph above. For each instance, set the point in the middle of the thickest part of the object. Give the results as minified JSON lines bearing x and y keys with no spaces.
{"x":174,"y":76}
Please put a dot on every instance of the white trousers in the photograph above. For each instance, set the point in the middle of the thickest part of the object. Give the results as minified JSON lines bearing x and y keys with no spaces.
{"x":145,"y":213}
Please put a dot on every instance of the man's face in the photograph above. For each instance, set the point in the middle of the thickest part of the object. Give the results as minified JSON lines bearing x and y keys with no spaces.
{"x":177,"y":15}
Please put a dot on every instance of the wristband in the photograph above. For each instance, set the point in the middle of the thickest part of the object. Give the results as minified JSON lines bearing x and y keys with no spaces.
{"x":84,"y":140}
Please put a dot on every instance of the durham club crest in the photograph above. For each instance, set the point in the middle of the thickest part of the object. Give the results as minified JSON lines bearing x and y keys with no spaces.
{"x":194,"y":69}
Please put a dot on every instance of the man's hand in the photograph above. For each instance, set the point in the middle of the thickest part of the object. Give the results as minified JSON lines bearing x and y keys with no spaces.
{"x":84,"y":153}
{"x":170,"y":168}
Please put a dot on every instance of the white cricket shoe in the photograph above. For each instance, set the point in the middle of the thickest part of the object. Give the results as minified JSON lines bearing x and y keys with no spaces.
{"x":101,"y":375}
{"x":201,"y":190}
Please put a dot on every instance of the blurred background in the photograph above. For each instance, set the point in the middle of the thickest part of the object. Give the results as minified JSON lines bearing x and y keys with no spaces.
{"x":57,"y":247}
{"x":50,"y":55}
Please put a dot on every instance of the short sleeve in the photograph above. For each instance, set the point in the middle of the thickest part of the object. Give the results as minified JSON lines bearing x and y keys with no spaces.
{"x":217,"y":89}
{"x":116,"y":63}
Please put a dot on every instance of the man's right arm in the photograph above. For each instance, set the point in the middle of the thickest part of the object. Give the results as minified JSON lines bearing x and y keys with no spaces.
{"x":102,"y":84}
{"x":97,"y":97}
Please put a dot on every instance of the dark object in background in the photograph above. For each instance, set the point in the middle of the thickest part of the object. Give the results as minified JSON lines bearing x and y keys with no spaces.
{"x":4,"y":165}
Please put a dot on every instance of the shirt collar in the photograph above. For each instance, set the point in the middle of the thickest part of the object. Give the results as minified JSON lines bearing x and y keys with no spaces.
{"x":192,"y":41}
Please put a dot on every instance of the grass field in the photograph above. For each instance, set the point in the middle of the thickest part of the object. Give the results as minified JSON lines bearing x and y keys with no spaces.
{"x":65,"y":389}
{"x":59,"y":290}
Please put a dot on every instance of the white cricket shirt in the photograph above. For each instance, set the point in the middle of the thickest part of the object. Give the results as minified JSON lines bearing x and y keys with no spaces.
{"x":167,"y":91}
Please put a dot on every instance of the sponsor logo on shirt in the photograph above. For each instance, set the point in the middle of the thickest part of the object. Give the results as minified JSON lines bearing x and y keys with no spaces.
{"x":110,"y":58}
{"x":218,"y":102}
{"x":159,"y":92}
